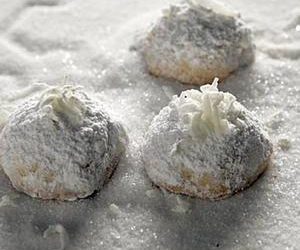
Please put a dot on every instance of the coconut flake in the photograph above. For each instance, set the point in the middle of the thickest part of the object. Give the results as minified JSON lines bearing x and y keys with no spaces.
{"x":64,"y":103}
{"x":208,"y":111}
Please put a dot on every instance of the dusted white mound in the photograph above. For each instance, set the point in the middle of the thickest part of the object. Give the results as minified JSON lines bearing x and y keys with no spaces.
{"x":196,"y":41}
{"x":205,"y":144}
{"x":60,"y":146}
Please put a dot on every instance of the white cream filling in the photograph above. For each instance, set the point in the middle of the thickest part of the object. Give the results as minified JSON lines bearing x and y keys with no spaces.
{"x":208,"y":111}
{"x":64,"y":102}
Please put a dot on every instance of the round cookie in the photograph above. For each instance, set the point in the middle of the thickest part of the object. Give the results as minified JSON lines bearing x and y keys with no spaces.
{"x":61,"y":145}
{"x":205,"y":144}
{"x":196,"y":41}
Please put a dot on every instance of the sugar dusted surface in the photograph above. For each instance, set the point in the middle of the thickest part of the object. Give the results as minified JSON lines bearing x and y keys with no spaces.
{"x":196,"y":41}
{"x":205,"y":144}
{"x":60,"y":145}
{"x":36,"y":45}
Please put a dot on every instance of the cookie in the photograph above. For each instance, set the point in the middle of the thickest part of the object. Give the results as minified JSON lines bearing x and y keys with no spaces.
{"x":196,"y":41}
{"x":61,"y":145}
{"x":205,"y":144}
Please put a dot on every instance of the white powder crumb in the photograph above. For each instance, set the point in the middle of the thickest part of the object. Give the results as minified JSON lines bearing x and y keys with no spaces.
{"x":115,"y":234}
{"x":7,"y":200}
{"x":181,"y":206}
{"x":284,"y":144}
{"x":169,"y":92}
{"x":114,"y":209}
{"x":59,"y":230}
{"x":150,"y":193}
